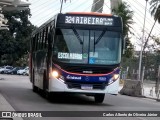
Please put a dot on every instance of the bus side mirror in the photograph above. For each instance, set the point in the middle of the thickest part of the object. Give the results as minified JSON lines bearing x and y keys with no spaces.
{"x":124,"y":45}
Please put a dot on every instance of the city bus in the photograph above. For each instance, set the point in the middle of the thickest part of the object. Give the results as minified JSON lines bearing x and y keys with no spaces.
{"x":77,"y":52}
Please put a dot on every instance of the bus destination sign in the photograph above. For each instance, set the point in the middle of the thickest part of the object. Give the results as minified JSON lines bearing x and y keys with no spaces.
{"x":88,"y":20}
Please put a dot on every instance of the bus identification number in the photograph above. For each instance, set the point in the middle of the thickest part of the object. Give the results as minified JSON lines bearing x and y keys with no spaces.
{"x":89,"y":20}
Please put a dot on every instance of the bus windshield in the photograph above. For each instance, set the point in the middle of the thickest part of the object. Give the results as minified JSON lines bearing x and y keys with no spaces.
{"x":99,"y":47}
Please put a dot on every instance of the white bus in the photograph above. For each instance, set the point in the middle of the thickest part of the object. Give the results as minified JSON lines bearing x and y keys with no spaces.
{"x":77,"y":52}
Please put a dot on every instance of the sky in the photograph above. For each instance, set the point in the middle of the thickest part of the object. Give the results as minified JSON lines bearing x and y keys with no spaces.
{"x":42,"y":10}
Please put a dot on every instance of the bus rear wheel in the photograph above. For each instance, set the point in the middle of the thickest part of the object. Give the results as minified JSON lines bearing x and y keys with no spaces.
{"x":99,"y":98}
{"x":34,"y":88}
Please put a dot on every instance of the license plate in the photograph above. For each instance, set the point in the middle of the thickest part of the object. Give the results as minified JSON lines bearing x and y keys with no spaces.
{"x":86,"y":87}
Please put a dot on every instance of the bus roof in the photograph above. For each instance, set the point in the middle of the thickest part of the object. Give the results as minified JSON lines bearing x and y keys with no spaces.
{"x":89,"y":13}
{"x":72,"y":13}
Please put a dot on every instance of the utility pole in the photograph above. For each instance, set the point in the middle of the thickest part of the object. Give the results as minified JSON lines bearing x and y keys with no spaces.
{"x":141,"y":52}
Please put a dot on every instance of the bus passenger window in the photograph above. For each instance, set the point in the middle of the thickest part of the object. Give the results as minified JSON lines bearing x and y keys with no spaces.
{"x":36,"y":42}
{"x":46,"y":38}
{"x":42,"y":44}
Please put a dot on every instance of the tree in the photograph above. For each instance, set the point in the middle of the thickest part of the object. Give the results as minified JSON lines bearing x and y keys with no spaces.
{"x":155,"y":9}
{"x":15,"y":42}
{"x":6,"y":43}
{"x":127,"y":18}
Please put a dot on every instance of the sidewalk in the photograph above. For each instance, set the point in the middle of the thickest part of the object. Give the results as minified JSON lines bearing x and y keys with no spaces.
{"x":149,"y":91}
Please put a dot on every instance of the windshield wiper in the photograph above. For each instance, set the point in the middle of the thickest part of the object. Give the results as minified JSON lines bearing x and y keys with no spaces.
{"x":94,"y":43}
{"x":77,"y":35}
{"x":82,"y":42}
{"x":100,"y":37}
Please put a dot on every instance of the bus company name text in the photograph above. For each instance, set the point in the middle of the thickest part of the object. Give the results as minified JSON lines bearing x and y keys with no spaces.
{"x":73,"y":77}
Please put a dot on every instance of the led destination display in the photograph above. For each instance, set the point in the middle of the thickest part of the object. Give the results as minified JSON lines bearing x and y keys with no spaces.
{"x":88,"y":20}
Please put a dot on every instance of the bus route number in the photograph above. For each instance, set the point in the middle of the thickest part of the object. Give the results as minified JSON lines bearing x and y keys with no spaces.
{"x":69,"y":19}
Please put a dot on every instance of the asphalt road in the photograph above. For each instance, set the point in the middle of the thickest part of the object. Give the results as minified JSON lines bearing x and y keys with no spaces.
{"x":18,"y":92}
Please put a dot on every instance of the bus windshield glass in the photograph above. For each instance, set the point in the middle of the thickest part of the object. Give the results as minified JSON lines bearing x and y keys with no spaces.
{"x":99,"y":47}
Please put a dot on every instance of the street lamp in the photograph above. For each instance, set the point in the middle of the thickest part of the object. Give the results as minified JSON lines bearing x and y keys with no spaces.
{"x":141,"y":52}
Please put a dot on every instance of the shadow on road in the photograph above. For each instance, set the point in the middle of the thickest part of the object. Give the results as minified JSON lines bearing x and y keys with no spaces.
{"x":69,"y":98}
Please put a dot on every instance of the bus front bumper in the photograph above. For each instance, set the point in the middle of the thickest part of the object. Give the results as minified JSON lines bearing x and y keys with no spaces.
{"x":56,"y":85}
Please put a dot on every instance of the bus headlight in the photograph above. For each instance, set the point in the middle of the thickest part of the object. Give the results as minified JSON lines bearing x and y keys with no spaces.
{"x":114,"y":78}
{"x":55,"y":74}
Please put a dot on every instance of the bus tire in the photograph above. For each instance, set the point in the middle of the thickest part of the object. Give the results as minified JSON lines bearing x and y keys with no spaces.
{"x":99,"y":98}
{"x":49,"y":96}
{"x":34,"y":88}
{"x":45,"y":93}
{"x":44,"y":81}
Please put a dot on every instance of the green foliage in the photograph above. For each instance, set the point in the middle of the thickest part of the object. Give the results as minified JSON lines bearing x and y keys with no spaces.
{"x":127,"y":18}
{"x":23,"y":61}
{"x":155,"y":9}
{"x":151,"y":63}
{"x":15,"y":42}
{"x":129,"y":49}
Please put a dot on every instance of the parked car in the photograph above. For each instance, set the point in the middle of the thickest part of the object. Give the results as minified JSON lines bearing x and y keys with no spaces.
{"x":23,"y":71}
{"x":13,"y":71}
{"x":5,"y":68}
{"x":26,"y":72}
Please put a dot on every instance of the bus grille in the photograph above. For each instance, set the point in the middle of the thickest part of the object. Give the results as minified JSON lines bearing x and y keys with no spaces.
{"x":82,"y":69}
{"x":98,"y":86}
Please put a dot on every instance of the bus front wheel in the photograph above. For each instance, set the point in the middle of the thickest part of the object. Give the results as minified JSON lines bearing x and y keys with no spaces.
{"x":99,"y":98}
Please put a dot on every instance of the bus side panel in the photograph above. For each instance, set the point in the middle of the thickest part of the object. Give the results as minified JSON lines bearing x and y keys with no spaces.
{"x":43,"y":57}
{"x":40,"y":67}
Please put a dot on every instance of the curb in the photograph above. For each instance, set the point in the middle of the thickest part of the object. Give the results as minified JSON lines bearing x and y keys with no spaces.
{"x":158,"y":100}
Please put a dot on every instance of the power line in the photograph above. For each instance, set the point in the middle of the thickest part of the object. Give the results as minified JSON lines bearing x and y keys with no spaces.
{"x":46,"y":18}
{"x":142,"y":14}
{"x":42,"y":3}
{"x":147,"y":19}
{"x":46,"y":6}
{"x":79,"y":5}
{"x":34,"y":1}
{"x":107,"y":6}
{"x":91,"y":5}
{"x":47,"y":10}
